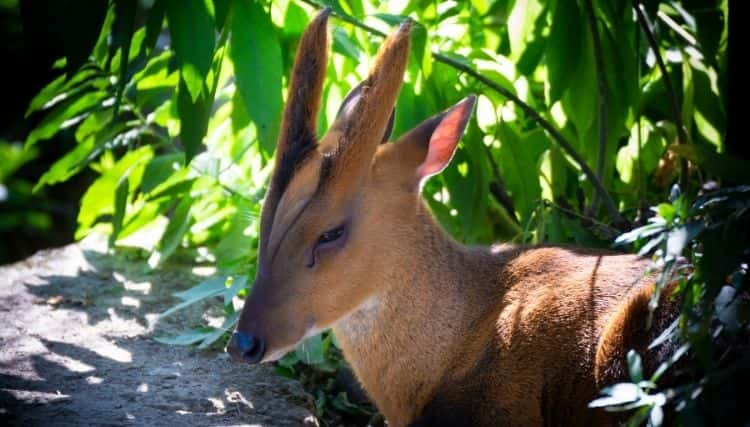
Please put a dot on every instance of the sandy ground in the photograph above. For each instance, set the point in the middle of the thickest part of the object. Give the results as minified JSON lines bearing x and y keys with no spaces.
{"x":76,"y":348}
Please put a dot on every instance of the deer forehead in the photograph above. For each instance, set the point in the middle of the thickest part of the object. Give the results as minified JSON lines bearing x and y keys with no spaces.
{"x":298,"y":194}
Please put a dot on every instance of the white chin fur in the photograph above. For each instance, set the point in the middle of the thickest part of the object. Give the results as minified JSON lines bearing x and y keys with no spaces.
{"x":278,"y":354}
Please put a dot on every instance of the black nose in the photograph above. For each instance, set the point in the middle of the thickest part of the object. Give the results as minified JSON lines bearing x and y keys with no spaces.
{"x":246,"y":348}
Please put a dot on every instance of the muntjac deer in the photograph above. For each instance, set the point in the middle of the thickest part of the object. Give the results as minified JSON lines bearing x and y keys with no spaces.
{"x":437,"y":333}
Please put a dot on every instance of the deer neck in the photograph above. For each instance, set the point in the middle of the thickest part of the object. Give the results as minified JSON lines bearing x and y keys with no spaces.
{"x":401,"y":341}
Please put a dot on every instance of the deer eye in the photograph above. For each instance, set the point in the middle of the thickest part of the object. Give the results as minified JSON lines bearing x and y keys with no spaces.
{"x":331,"y":235}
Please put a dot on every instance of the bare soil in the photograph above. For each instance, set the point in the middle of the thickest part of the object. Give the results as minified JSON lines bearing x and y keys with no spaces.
{"x":77,"y":348}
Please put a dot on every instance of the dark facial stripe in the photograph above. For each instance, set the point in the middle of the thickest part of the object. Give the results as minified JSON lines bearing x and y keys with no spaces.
{"x":325,"y":170}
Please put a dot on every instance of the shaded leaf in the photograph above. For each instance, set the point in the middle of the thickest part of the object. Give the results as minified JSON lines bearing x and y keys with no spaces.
{"x":256,"y":54}
{"x":191,"y":27}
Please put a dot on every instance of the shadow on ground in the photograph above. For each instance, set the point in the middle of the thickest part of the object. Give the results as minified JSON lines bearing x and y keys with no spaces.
{"x":77,"y":348}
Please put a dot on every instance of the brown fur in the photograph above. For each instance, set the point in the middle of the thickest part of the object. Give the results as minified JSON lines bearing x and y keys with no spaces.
{"x":438,"y":333}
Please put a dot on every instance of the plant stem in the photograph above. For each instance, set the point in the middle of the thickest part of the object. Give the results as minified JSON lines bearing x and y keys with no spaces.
{"x":546,"y":125}
{"x":681,"y":134}
{"x":497,"y":187}
{"x":602,"y":86}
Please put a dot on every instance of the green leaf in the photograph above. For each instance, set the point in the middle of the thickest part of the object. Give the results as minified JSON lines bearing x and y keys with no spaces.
{"x":688,"y":94}
{"x":618,"y":394}
{"x":69,"y":110}
{"x":725,"y":166}
{"x":344,"y":45}
{"x":122,"y":35}
{"x":188,"y":338}
{"x":564,"y":46}
{"x":67,"y":166}
{"x":255,"y":51}
{"x":62,"y":89}
{"x":310,"y":351}
{"x":178,"y":225}
{"x":225,"y":328}
{"x":154,"y":24}
{"x":518,"y":159}
{"x":159,"y":169}
{"x":521,"y":25}
{"x":238,"y":284}
{"x":99,"y":199}
{"x":121,"y":198}
{"x":194,"y":115}
{"x":205,"y":289}
{"x":635,"y":367}
{"x":191,"y":27}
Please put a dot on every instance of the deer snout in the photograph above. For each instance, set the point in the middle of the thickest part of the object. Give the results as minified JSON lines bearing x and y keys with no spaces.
{"x":245,"y":348}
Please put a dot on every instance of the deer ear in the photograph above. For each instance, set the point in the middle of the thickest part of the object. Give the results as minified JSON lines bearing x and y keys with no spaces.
{"x":440,"y":135}
{"x":348,"y":107}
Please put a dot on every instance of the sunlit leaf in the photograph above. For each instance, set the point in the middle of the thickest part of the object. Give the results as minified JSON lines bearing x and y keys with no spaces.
{"x":191,"y":27}
{"x":256,"y":54}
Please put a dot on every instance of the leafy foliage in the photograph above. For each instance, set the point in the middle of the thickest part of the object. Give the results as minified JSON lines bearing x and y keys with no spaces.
{"x":176,"y":106}
{"x":714,"y":325}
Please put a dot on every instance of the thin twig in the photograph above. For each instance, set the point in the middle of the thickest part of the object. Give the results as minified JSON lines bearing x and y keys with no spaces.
{"x":546,"y":125}
{"x":602,"y":86}
{"x":681,"y":135}
{"x":497,"y":187}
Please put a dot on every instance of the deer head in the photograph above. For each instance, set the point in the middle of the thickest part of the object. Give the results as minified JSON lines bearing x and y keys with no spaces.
{"x":340,"y":210}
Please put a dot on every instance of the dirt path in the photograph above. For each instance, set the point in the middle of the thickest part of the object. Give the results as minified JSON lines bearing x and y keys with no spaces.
{"x":76,"y":349}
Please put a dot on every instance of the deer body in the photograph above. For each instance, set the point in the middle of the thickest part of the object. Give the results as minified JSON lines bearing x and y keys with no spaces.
{"x":488,"y":336}
{"x":437,"y":333}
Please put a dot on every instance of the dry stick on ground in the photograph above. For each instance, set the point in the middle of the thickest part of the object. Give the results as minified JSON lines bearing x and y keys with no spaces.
{"x":602,"y":86}
{"x":546,"y":125}
{"x":681,"y":135}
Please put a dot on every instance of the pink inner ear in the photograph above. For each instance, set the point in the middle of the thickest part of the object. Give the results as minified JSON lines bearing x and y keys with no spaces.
{"x":445,"y":138}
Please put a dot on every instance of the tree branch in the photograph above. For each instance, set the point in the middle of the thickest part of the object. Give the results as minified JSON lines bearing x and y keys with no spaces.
{"x":602,"y":86}
{"x":546,"y":125}
{"x":681,"y":134}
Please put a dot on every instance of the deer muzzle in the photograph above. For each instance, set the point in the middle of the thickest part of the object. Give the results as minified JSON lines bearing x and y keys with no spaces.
{"x":245,"y":348}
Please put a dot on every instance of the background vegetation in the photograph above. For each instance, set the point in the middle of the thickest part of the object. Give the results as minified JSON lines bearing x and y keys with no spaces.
{"x":589,"y":112}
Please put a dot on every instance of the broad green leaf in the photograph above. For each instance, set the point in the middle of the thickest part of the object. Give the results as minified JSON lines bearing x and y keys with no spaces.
{"x":237,"y":245}
{"x":521,"y":24}
{"x":14,"y":156}
{"x":121,"y":199}
{"x":637,"y":162}
{"x":617,"y":394}
{"x":256,"y":54}
{"x":191,"y":27}
{"x":565,"y":43}
{"x":688,"y":94}
{"x":99,"y":199}
{"x":518,"y":166}
{"x":159,"y":169}
{"x":212,"y":286}
{"x":194,"y":114}
{"x":635,"y":367}
{"x":154,"y":24}
{"x":310,"y":351}
{"x":193,"y":336}
{"x":173,"y":235}
{"x":122,"y":36}
{"x":344,"y":45}
{"x":238,"y":284}
{"x":69,"y":110}
{"x":62,"y":89}
{"x":67,"y":166}
{"x":724,"y":166}
{"x":295,"y":19}
{"x":226,"y":327}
